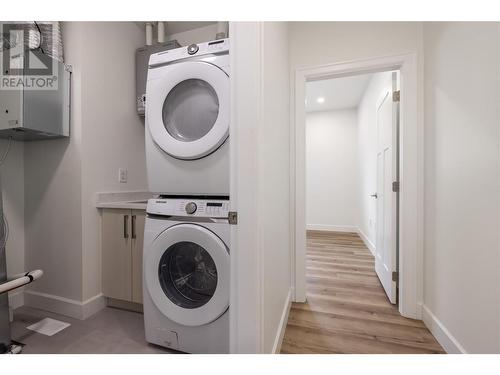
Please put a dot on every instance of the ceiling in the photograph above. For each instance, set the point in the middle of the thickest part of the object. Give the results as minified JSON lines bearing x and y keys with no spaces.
{"x":336,"y":93}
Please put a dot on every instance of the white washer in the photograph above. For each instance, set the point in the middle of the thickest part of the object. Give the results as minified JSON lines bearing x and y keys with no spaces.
{"x":187,"y":120}
{"x":186,"y":274}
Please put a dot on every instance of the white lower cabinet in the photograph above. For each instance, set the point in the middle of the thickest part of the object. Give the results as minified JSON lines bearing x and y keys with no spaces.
{"x":121,"y":245}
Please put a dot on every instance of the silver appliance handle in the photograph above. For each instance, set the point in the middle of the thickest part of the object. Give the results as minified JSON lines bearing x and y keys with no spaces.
{"x":125,"y":226}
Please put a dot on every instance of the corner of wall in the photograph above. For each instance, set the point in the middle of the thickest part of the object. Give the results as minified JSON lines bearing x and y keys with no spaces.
{"x":369,"y":244}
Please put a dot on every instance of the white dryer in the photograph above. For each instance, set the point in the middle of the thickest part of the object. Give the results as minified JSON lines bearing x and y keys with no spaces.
{"x":186,"y":274}
{"x":187,"y":120}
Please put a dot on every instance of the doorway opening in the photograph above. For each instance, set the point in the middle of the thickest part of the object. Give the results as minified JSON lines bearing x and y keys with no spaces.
{"x":356,"y":208}
{"x":402,"y":229}
{"x":352,"y":128}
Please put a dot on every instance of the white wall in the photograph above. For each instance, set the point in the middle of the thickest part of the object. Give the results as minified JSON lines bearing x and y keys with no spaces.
{"x":462,"y":171}
{"x":332,"y":170}
{"x":198,"y":35}
{"x":317,"y":43}
{"x":53,"y":221}
{"x":379,"y":84}
{"x":246,"y":281}
{"x":461,"y":160}
{"x":62,"y":176}
{"x":113,"y":133}
{"x":260,"y":257}
{"x":12,"y":180}
{"x":314,"y":44}
{"x":274,"y":177}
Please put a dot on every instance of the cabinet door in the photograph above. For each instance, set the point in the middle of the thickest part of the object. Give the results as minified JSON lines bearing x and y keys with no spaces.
{"x":116,"y":254}
{"x":138,"y":220}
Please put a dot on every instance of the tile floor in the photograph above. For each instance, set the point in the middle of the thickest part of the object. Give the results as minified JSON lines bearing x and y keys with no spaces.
{"x":110,"y":331}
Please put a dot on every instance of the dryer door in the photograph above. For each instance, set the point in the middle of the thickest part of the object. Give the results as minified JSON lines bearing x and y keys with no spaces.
{"x":186,"y":271}
{"x":187,"y":109}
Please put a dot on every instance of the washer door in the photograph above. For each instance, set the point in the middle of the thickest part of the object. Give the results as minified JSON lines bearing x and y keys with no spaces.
{"x":187,"y":274}
{"x":188,"y":109}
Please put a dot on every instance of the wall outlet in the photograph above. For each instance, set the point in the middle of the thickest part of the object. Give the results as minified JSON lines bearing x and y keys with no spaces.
{"x":122,"y":175}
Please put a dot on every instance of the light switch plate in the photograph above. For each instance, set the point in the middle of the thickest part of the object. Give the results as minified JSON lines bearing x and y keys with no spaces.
{"x":122,"y":175}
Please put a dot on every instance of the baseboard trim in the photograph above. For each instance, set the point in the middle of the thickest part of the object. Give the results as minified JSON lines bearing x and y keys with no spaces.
{"x":124,"y":305}
{"x":370,"y":245}
{"x":333,"y":228}
{"x":64,"y":306}
{"x":283,"y":321}
{"x":93,"y":305}
{"x":449,"y":343}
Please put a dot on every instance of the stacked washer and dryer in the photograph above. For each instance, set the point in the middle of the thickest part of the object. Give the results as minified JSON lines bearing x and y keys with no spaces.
{"x":186,"y":241}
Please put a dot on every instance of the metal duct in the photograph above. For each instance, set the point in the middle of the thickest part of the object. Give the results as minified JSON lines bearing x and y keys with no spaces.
{"x":161,"y":32}
{"x":43,"y":35}
{"x":50,"y":41}
{"x":149,"y":33}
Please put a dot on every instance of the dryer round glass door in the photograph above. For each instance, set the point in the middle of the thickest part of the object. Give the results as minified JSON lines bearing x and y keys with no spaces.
{"x":187,"y":274}
{"x":187,"y":109}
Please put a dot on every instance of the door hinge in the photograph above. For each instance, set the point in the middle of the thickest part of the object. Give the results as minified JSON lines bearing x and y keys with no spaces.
{"x":395,"y":276}
{"x":396,"y":95}
{"x":395,"y":186}
{"x":232,"y":217}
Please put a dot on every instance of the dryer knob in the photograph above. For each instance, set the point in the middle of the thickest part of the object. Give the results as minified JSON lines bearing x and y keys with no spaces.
{"x":191,"y":208}
{"x":192,"y":49}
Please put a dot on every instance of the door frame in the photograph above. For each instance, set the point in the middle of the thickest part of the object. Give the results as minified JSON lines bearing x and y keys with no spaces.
{"x":410,"y":172}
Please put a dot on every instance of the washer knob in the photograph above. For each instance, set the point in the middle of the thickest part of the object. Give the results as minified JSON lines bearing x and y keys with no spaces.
{"x":192,"y":49}
{"x":191,"y":208}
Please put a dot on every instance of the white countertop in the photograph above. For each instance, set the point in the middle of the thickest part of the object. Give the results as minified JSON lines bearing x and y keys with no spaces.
{"x":134,"y":205}
{"x":134,"y":200}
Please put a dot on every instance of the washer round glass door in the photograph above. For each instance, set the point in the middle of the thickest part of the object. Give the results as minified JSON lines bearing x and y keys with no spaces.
{"x":187,"y":274}
{"x":188,"y":109}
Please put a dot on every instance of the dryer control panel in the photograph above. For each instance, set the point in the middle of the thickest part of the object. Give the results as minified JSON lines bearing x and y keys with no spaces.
{"x":214,"y":47}
{"x":189,"y":207}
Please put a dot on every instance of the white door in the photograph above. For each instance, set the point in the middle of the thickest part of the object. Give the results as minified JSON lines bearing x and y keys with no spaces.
{"x":387,"y":199}
{"x":188,"y":274}
{"x":187,"y":109}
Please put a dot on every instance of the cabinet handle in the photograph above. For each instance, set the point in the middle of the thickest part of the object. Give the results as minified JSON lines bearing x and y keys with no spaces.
{"x":133,"y":227}
{"x":125,"y":226}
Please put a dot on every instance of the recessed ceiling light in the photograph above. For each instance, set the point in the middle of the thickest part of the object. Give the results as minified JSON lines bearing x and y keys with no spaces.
{"x":320,"y":100}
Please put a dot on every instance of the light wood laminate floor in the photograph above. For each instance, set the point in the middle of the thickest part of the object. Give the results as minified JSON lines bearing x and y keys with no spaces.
{"x":347,"y":310}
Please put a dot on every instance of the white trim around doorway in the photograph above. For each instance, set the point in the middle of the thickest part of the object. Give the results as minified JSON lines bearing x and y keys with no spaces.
{"x":411,"y":176}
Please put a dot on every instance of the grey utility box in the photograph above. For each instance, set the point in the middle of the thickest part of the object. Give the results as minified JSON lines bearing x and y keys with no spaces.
{"x":141,"y":67}
{"x":34,"y":114}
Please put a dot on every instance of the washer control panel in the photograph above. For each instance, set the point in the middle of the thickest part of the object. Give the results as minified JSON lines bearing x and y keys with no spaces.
{"x":213,"y":208}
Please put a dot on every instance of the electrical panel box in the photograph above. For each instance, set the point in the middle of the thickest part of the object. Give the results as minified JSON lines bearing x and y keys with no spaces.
{"x":141,"y":66}
{"x":28,"y":114}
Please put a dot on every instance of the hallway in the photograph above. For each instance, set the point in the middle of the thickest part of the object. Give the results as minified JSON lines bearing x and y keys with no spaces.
{"x":347,"y":310}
